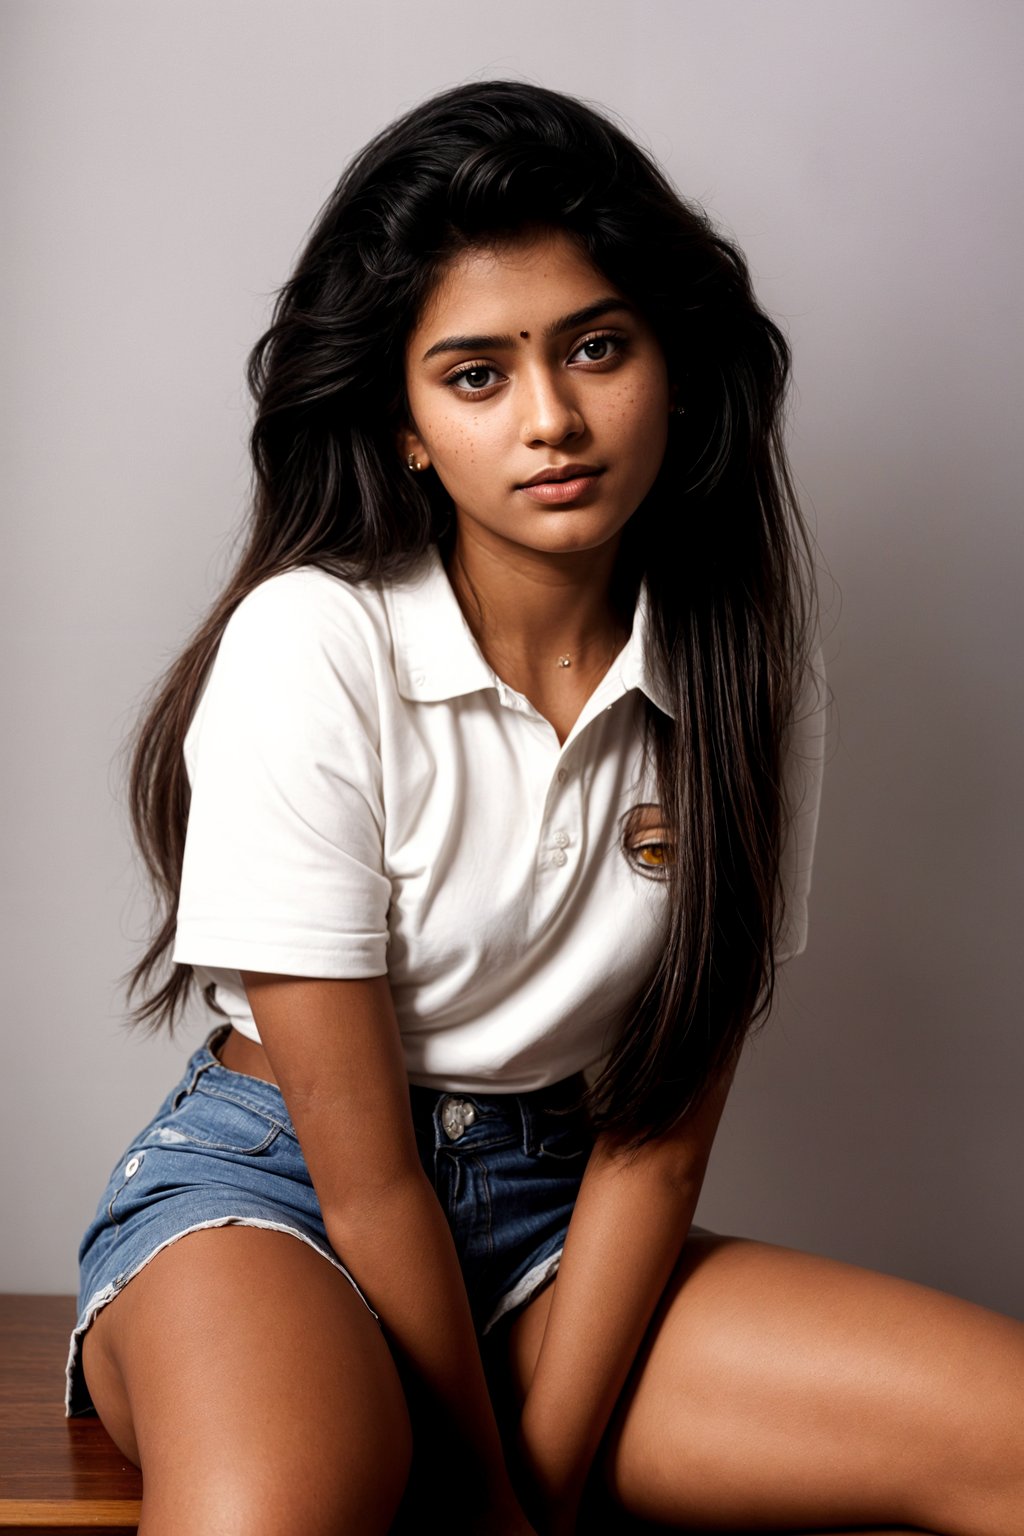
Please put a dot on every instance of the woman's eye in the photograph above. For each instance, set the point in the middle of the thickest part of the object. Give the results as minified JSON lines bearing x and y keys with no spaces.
{"x":472,"y":380}
{"x":599,"y":349}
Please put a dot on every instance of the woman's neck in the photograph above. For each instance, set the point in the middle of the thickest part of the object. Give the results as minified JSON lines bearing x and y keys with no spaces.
{"x":550,"y":625}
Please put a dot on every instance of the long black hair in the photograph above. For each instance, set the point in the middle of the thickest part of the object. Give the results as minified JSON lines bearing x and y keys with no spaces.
{"x":718,"y":540}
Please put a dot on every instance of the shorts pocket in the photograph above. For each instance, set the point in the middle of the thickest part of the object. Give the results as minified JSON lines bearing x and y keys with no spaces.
{"x":218,"y":1123}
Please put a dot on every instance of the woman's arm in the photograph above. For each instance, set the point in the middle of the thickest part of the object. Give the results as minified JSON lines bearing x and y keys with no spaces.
{"x":628,"y":1226}
{"x":335,"y":1050}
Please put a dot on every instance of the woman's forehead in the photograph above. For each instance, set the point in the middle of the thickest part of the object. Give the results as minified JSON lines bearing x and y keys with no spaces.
{"x":511,"y":287}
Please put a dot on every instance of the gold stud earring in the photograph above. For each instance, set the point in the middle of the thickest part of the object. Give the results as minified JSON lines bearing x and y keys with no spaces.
{"x":413,"y":462}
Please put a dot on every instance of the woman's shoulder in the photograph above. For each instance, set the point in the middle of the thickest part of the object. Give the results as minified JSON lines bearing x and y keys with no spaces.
{"x":307,"y":599}
{"x":297,"y":645}
{"x":302,"y":653}
{"x":308,"y":614}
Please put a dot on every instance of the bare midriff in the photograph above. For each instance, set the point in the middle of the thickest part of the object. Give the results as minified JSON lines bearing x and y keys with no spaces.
{"x":240,"y":1054}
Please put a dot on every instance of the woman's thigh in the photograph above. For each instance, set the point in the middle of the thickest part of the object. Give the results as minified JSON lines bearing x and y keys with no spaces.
{"x":245,"y":1376}
{"x":779,"y":1389}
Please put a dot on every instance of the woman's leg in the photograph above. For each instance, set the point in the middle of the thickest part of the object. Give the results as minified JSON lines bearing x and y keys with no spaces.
{"x":244,"y":1375}
{"x":778,"y":1390}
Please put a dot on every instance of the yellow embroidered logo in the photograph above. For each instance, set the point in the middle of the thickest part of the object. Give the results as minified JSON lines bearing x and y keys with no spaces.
{"x":647,"y":842}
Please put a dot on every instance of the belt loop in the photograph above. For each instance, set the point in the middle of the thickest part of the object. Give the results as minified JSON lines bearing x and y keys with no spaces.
{"x":526,"y":1115}
{"x":197,"y":1072}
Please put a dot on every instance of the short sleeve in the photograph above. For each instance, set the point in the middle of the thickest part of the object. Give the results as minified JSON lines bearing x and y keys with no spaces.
{"x":283,"y":849}
{"x":805,"y":762}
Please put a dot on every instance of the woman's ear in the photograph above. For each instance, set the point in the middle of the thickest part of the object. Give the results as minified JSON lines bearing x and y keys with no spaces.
{"x":413,"y":454}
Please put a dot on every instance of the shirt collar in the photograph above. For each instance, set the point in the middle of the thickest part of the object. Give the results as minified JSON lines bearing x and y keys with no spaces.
{"x":633,"y":661}
{"x":437,"y":657}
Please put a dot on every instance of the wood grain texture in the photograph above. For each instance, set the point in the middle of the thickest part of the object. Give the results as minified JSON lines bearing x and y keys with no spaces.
{"x":56,"y":1474}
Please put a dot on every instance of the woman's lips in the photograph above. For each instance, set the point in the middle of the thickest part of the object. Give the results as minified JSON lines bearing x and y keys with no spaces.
{"x":556,"y":492}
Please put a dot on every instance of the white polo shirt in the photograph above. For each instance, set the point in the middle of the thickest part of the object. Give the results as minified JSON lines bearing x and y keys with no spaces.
{"x":368,"y":797}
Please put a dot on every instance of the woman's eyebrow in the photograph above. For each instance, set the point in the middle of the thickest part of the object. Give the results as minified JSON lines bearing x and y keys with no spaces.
{"x":497,"y":343}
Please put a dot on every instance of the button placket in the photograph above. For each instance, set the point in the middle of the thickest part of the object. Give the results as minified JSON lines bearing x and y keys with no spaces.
{"x":559,"y":805}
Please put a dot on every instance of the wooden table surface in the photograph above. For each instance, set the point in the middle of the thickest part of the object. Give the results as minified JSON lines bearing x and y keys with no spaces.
{"x":56,"y":1474}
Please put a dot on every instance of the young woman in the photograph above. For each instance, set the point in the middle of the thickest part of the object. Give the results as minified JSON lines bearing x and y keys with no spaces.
{"x":483,"y":806}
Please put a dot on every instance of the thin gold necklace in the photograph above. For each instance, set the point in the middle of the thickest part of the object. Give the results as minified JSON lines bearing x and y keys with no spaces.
{"x":565,"y":660}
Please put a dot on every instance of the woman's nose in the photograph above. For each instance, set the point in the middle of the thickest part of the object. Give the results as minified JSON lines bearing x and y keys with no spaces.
{"x":550,"y":413}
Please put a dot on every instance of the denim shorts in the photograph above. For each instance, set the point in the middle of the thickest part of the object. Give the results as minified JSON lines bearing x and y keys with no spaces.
{"x":221,"y":1150}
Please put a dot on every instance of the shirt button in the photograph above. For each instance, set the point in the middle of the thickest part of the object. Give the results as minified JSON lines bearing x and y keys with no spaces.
{"x":131,"y":1167}
{"x":559,"y":857}
{"x":419,"y":678}
{"x":561,"y":775}
{"x":561,"y":839}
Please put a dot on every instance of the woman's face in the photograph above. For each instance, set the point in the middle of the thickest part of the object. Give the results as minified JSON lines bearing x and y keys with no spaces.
{"x":539,"y":395}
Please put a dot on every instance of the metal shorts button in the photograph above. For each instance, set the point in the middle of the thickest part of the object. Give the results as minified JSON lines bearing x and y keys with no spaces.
{"x":456,"y":1114}
{"x":132,"y":1166}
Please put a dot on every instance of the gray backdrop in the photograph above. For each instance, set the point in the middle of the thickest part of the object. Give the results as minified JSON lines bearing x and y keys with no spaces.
{"x":162,"y":162}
